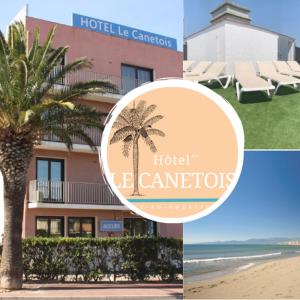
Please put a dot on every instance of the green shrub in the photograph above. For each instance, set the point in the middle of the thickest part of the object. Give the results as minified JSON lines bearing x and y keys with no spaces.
{"x":90,"y":259}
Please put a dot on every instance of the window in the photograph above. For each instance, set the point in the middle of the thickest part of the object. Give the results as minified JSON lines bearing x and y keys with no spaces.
{"x":81,"y":227}
{"x":133,"y":77}
{"x":49,"y":226}
{"x":50,"y":177}
{"x":137,"y":226}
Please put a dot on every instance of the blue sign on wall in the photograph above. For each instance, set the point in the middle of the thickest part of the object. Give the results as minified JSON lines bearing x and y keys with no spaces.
{"x":111,"y":226}
{"x":124,"y":32}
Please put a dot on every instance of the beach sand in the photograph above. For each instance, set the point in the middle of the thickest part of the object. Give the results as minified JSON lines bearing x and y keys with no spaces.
{"x":276,"y":279}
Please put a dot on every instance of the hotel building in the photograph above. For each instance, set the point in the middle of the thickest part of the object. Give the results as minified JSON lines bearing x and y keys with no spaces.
{"x":66,"y":195}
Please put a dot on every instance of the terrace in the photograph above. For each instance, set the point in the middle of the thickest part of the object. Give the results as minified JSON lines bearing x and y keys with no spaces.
{"x":66,"y":194}
{"x":268,"y":124}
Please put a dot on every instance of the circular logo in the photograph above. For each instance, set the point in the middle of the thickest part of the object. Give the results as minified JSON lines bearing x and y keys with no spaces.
{"x":172,"y":150}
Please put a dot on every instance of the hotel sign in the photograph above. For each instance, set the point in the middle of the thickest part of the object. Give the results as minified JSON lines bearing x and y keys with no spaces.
{"x":124,"y":32}
{"x":111,"y":226}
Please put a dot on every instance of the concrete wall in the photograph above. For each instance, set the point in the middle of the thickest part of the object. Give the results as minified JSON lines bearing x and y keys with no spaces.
{"x":233,"y":42}
{"x":208,"y":45}
{"x":79,"y":167}
{"x":244,"y":43}
{"x":107,"y":52}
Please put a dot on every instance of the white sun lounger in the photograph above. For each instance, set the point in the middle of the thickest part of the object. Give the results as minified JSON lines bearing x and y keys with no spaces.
{"x":248,"y":81}
{"x":198,"y":69}
{"x":283,"y":68}
{"x":267,"y":70}
{"x":187,"y":65}
{"x":214,"y":73}
{"x":294,"y":65}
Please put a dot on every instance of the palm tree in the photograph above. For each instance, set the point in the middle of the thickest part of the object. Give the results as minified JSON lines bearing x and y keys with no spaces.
{"x":29,"y":109}
{"x":132,"y":124}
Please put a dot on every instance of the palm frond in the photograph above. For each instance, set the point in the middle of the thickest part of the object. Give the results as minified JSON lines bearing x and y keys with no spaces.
{"x":141,"y":107}
{"x":152,"y":120}
{"x":46,"y":47}
{"x":119,"y":124}
{"x":26,"y":77}
{"x":149,"y":110}
{"x":122,"y":133}
{"x":127,"y":143}
{"x":125,"y":113}
{"x":122,"y":119}
{"x":150,"y":144}
{"x":154,"y":131}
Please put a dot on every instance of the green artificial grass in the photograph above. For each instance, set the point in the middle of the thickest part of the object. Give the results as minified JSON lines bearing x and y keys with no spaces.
{"x":268,"y":124}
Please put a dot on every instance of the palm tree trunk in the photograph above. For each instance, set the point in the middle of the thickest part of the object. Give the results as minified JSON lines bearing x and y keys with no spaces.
{"x":135,"y":158}
{"x":11,"y":271}
{"x":15,"y":156}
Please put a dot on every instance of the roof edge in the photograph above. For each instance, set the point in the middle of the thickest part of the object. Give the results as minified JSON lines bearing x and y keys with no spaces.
{"x":245,"y":24}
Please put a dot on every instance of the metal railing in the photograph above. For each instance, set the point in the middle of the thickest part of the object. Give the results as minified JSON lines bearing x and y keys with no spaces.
{"x":93,"y":133}
{"x":124,"y":84}
{"x":71,"y":193}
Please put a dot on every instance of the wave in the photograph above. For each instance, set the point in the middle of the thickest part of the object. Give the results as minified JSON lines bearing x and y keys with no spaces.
{"x":230,"y":258}
{"x":245,"y":267}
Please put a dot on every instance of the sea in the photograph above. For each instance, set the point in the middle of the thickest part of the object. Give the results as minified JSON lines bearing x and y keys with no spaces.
{"x":208,"y":261}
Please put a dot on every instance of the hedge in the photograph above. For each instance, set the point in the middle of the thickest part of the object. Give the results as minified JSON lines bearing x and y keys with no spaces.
{"x":92,"y":259}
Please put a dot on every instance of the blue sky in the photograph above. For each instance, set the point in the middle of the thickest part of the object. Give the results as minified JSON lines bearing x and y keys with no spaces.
{"x":277,"y":15}
{"x":163,"y":17}
{"x":264,"y":204}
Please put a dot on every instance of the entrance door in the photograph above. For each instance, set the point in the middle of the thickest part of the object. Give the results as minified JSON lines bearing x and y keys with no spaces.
{"x":50,"y":177}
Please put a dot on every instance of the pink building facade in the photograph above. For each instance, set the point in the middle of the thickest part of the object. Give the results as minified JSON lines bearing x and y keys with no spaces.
{"x":66,"y":195}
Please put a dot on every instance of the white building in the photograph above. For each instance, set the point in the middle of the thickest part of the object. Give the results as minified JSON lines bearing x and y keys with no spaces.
{"x":231,"y":37}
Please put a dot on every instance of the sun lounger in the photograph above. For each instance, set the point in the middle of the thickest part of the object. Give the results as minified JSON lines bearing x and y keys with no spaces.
{"x":267,"y":70}
{"x":283,"y":68}
{"x":248,"y":81}
{"x":294,"y":65}
{"x":214,"y":73}
{"x":187,"y":65}
{"x":198,"y":69}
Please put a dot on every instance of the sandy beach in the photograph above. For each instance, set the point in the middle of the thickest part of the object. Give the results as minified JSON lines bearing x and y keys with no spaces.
{"x":276,"y":279}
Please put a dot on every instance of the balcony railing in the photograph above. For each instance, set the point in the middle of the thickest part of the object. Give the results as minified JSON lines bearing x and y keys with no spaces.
{"x":93,"y":133}
{"x":124,"y":84}
{"x":71,"y":193}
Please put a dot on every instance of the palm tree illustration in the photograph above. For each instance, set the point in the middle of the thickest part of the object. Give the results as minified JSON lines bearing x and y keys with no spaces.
{"x":132,"y":125}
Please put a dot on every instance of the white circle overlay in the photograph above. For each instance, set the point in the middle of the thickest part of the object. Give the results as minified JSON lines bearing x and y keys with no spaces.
{"x":169,"y":83}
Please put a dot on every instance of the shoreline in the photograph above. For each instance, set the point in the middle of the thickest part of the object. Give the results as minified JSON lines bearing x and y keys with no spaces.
{"x":211,"y":276}
{"x":278,"y":278}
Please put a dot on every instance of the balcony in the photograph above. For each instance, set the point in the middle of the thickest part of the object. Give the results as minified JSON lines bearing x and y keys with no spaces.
{"x":66,"y":194}
{"x":124,"y":84}
{"x":93,"y":133}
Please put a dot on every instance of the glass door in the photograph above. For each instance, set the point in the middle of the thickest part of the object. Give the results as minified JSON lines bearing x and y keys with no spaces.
{"x":133,"y":76}
{"x":50,"y":177}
